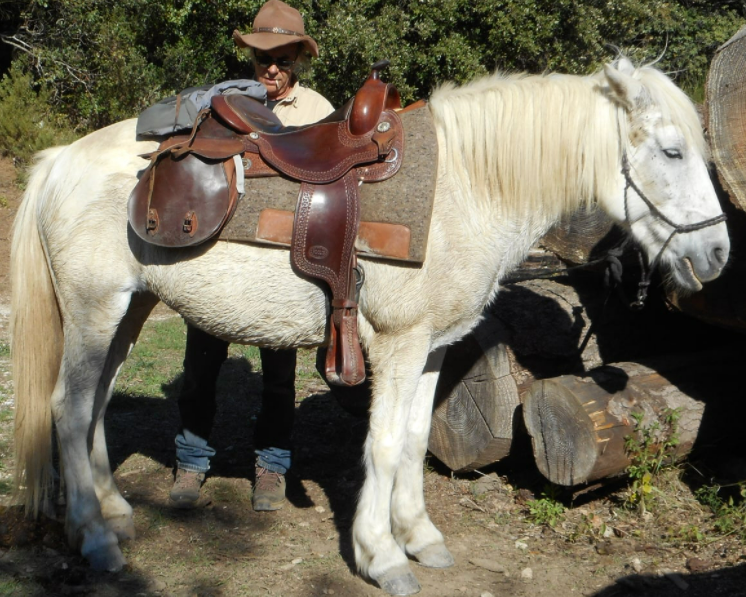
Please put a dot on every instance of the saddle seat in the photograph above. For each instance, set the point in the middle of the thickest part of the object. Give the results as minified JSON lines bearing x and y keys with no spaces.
{"x":323,"y":151}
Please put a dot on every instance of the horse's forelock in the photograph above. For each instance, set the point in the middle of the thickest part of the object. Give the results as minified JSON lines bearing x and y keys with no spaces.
{"x":675,"y":106}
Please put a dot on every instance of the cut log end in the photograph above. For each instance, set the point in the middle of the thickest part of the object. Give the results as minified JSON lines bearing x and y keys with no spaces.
{"x":562,"y":433}
{"x":476,"y":401}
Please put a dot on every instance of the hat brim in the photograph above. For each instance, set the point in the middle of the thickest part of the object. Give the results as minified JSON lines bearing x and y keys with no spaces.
{"x":270,"y":41}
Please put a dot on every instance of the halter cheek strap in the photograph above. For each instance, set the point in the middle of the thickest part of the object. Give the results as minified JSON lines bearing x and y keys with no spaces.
{"x":644,"y":283}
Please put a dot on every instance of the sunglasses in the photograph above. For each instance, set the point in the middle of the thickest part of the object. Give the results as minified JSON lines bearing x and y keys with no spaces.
{"x":265,"y":61}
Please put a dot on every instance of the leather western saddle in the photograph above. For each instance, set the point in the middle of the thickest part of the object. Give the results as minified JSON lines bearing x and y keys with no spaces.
{"x":190,"y":189}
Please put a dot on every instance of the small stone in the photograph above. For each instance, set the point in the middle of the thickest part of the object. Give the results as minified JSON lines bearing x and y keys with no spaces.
{"x":296,"y":561}
{"x":521,"y":545}
{"x":697,"y":565}
{"x":486,"y":594}
{"x":527,"y":574}
{"x":303,"y":524}
{"x":636,"y":565}
{"x":320,"y":509}
{"x":604,"y":548}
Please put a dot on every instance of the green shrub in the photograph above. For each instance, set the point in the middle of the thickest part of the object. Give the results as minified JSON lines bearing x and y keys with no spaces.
{"x":103,"y":61}
{"x":27,"y":123}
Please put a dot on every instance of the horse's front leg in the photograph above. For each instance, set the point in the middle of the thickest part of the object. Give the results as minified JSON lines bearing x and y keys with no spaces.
{"x":411,"y":526}
{"x":397,"y":363}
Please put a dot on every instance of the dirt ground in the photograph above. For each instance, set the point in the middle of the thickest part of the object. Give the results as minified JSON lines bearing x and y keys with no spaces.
{"x":597,"y":548}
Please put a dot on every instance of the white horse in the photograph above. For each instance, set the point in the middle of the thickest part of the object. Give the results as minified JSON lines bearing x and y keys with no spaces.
{"x":515,"y":154}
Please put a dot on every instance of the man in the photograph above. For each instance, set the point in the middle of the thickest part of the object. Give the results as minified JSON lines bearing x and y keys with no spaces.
{"x":278,"y":48}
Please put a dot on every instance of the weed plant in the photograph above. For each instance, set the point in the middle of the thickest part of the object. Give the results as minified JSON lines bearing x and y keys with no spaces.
{"x":729,"y":513}
{"x":546,"y":510}
{"x":649,"y":449}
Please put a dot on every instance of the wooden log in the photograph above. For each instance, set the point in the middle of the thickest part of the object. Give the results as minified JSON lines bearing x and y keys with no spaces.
{"x":475,"y":403}
{"x":725,"y":115}
{"x":578,"y":425}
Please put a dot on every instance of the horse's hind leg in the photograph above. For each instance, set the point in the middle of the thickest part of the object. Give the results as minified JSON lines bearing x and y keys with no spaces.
{"x":411,"y":526}
{"x":72,"y":410}
{"x":78,"y":403}
{"x":114,"y":508}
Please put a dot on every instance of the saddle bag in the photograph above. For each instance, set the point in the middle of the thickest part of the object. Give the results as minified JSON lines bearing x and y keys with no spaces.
{"x":207,"y":179}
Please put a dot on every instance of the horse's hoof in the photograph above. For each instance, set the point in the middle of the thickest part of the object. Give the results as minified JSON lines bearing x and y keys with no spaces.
{"x":108,"y":559}
{"x":434,"y":556}
{"x":122,"y":526}
{"x":399,"y":581}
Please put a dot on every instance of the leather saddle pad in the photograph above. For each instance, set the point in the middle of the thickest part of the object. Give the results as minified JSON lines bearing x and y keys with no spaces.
{"x":395,"y":214}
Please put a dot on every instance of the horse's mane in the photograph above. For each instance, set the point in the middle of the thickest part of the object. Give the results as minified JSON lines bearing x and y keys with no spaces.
{"x":545,"y":142}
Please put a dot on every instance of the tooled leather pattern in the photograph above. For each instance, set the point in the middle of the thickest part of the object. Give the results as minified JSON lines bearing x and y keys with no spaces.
{"x":338,"y":282}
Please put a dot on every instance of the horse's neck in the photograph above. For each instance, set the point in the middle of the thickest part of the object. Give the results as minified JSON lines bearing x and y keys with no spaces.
{"x":495,"y":242}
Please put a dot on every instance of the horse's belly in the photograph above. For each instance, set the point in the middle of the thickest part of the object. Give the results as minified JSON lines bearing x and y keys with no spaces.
{"x":242,"y":293}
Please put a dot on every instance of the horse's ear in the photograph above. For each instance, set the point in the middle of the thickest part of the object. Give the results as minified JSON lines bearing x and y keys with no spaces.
{"x":624,"y":88}
{"x":624,"y":65}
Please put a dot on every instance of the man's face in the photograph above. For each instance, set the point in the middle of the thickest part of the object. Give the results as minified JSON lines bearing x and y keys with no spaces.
{"x":274,"y":69}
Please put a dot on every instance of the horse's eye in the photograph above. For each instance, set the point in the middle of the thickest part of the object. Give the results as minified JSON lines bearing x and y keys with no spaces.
{"x":674,"y":154}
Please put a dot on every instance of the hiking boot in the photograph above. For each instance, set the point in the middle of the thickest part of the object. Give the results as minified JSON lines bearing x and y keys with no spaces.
{"x":269,"y":490}
{"x":185,"y":492}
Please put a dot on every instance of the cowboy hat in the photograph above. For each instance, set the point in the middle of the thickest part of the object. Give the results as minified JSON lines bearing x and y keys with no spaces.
{"x":276,"y":24}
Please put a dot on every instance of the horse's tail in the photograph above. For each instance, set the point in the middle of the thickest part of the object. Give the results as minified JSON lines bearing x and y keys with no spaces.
{"x":36,"y":344}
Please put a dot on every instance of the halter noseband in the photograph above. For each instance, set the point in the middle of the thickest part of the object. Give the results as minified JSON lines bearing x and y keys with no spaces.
{"x":644,"y":283}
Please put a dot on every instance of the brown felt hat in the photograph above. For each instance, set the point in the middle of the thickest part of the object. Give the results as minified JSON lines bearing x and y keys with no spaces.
{"x":276,"y":24}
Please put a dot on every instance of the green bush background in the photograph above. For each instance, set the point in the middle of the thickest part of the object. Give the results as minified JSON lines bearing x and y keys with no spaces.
{"x":71,"y":66}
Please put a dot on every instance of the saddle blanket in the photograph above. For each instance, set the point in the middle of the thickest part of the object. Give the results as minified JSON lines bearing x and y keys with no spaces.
{"x":395,"y":214}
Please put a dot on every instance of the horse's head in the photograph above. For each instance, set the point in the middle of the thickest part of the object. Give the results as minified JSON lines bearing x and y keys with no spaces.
{"x":666,"y":199}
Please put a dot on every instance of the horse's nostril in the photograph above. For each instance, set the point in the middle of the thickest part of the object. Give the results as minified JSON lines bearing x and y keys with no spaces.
{"x":720,"y":255}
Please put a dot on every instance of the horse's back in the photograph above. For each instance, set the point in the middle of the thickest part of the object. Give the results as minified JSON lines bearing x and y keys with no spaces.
{"x":81,"y":203}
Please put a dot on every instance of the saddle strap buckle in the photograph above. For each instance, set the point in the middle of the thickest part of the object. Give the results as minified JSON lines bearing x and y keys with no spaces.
{"x":190,"y":223}
{"x":153,"y":223}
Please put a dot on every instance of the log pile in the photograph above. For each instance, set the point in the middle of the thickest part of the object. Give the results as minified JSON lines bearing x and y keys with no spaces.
{"x":522,"y":370}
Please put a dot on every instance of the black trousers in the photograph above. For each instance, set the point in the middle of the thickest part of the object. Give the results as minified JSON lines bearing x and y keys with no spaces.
{"x":204,"y":356}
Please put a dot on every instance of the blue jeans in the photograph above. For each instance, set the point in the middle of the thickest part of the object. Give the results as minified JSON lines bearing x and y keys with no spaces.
{"x":204,"y":356}
{"x":193,"y":454}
